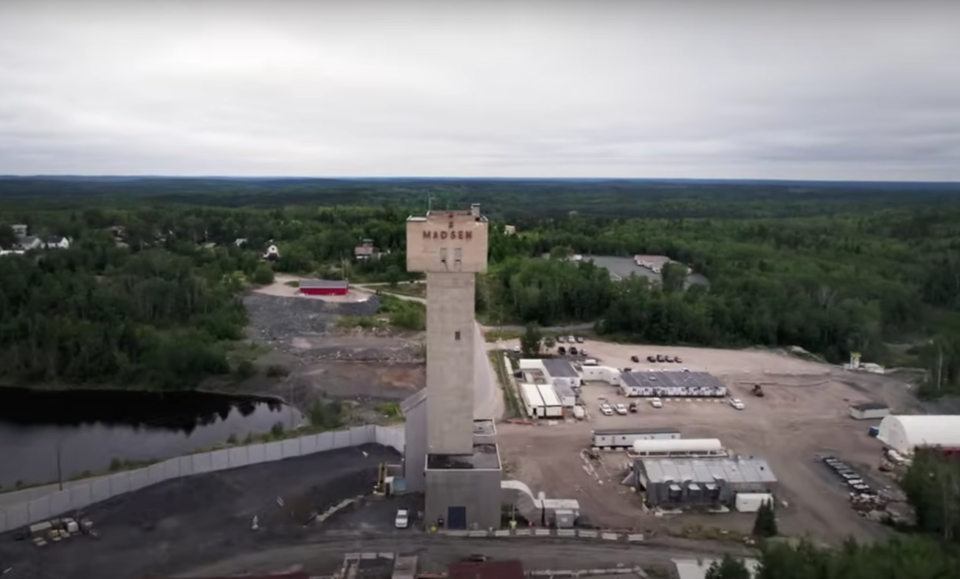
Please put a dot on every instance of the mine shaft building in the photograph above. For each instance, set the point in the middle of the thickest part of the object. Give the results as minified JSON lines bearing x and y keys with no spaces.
{"x":461,"y":468}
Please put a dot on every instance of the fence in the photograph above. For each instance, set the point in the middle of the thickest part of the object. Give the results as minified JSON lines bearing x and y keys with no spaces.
{"x":81,"y":494}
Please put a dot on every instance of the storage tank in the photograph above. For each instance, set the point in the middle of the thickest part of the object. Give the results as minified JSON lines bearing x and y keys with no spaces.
{"x":708,"y":446}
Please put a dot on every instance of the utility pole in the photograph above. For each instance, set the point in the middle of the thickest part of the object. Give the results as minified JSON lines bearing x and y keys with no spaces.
{"x":60,"y":463}
{"x":939,"y":367}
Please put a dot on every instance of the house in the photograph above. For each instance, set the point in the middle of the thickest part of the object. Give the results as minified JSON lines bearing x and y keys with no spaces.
{"x":272,"y":253}
{"x":240,"y":241}
{"x":509,"y":230}
{"x":209,"y":245}
{"x":324,"y":287}
{"x":119,"y":232}
{"x":19,"y":229}
{"x":30,"y":242}
{"x":10,"y":251}
{"x":365,"y":250}
{"x":56,"y":242}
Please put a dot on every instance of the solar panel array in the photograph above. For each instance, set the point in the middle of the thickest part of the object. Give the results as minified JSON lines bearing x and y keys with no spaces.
{"x":672,"y":384}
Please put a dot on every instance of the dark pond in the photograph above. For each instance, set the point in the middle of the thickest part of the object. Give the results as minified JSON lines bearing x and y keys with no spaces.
{"x":92,"y":428}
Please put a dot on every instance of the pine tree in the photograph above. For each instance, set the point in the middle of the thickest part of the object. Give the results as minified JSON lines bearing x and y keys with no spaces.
{"x":765,"y":524}
{"x":728,"y":568}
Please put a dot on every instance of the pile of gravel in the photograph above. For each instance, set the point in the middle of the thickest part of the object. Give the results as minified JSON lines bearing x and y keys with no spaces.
{"x":277,"y":319}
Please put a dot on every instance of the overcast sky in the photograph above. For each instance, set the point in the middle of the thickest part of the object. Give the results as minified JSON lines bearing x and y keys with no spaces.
{"x":725,"y":89}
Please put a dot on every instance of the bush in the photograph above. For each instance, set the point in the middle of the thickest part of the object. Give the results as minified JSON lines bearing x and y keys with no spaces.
{"x":246,"y":369}
{"x":277,"y":371}
{"x":263,"y":275}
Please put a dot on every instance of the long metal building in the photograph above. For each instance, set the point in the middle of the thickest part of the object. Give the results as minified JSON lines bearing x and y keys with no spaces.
{"x":685,"y":482}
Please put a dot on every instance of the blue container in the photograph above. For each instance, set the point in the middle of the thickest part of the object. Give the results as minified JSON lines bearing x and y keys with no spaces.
{"x":874,"y":431}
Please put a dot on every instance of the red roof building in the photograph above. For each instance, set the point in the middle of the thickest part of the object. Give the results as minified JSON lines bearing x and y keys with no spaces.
{"x":487,"y":570}
{"x":324,"y":287}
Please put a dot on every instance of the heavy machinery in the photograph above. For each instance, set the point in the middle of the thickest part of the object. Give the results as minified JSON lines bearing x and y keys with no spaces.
{"x":758,"y":390}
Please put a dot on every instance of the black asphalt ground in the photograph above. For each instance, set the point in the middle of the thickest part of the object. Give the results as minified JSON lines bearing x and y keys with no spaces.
{"x":174,"y":526}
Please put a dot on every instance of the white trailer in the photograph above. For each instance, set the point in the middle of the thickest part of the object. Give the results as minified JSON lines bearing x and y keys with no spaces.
{"x":751,"y":502}
{"x":552,"y":407}
{"x":532,"y":401}
{"x":624,"y":438}
{"x":679,"y":447}
{"x":868,"y":410}
{"x":600,"y":374}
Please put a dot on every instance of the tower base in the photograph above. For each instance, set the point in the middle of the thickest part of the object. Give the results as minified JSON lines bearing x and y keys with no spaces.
{"x":463,"y":491}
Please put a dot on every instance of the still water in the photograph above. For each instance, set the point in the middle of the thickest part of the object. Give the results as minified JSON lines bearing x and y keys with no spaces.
{"x":92,"y":428}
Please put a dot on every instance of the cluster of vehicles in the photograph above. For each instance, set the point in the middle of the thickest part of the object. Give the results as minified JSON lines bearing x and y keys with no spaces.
{"x":622,"y":409}
{"x":849,"y":476}
{"x":659,"y":358}
{"x":572,"y":350}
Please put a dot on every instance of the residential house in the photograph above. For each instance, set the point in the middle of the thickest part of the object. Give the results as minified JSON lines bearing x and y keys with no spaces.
{"x":240,"y":241}
{"x":119,"y":232}
{"x":365,"y":250}
{"x":19,"y":229}
{"x":56,"y":242}
{"x":30,"y":242}
{"x":272,"y":253}
{"x":509,"y":229}
{"x":10,"y":251}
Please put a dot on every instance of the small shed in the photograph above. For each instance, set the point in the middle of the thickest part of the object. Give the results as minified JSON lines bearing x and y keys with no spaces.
{"x":324,"y":287}
{"x":868,"y":410}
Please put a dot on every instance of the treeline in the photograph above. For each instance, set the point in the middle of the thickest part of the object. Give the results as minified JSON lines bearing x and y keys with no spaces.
{"x":883,"y":284}
{"x":930,"y":551}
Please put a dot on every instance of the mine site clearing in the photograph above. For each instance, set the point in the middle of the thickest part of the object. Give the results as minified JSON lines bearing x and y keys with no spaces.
{"x":802,"y":418}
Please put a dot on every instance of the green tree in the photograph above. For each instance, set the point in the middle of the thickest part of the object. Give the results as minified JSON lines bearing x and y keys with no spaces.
{"x":674,"y":277}
{"x":932,"y":486}
{"x":765,"y":525}
{"x":263,"y":275}
{"x":549,"y":342}
{"x":530,"y":341}
{"x":728,"y":568}
{"x":393,"y":275}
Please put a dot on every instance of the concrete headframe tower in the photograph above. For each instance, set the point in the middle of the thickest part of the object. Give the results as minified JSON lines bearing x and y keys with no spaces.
{"x":453,"y":458}
{"x":450,"y":247}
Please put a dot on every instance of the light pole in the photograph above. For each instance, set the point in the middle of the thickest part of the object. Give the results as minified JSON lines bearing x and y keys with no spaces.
{"x":60,"y":462}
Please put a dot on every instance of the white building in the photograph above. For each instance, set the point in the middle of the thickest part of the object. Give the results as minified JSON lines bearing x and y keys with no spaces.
{"x":697,"y":568}
{"x":559,"y":375}
{"x":907,"y":432}
{"x":601,"y":374}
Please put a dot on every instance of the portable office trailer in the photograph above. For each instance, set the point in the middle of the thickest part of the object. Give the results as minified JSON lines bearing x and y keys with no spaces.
{"x":751,"y":502}
{"x":625,"y":438}
{"x":552,"y":408}
{"x":532,"y":401}
{"x":601,"y":374}
{"x":561,"y":372}
{"x":868,"y":410}
{"x":678,"y":447}
{"x":671,"y":385}
{"x":566,"y":394}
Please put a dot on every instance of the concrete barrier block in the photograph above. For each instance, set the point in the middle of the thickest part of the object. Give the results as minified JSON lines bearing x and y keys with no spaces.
{"x":237,"y":457}
{"x":324,"y":441}
{"x":635,"y":538}
{"x":290,"y":448}
{"x":587,"y":534}
{"x":38,"y":510}
{"x":202,"y":463}
{"x":501,"y":533}
{"x":610,"y":536}
{"x":456,"y":533}
{"x":273,"y":451}
{"x":256,"y":453}
{"x":81,"y":496}
{"x":138,"y":479}
{"x":566,"y":532}
{"x":523,"y":532}
{"x":541,"y":532}
{"x":219,"y":460}
{"x":59,"y":502}
{"x":477,"y":534}
{"x":186,"y":466}
{"x":100,"y":489}
{"x":171,"y":468}
{"x":156,"y":473}
{"x":341,"y":439}
{"x":308,"y":444}
{"x":17,"y":517}
{"x":119,"y":484}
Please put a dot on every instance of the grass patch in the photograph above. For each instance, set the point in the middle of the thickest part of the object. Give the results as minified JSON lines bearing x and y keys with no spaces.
{"x":494,"y":335}
{"x":365,"y":322}
{"x":509,"y":394}
{"x":292,"y":283}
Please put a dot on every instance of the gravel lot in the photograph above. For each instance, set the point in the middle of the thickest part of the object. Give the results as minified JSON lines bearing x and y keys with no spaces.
{"x":803,"y":413}
{"x":172,"y":527}
{"x":364,"y":367}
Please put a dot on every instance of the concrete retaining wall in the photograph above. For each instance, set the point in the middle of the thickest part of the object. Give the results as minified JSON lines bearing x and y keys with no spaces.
{"x":76,"y":495}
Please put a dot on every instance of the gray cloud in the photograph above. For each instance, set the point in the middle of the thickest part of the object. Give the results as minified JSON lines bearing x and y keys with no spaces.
{"x":559,"y":89}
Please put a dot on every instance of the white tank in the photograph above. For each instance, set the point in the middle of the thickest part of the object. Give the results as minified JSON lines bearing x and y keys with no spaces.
{"x":692,"y":445}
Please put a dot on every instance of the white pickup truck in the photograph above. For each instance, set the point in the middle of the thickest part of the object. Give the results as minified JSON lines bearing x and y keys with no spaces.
{"x":403,"y":519}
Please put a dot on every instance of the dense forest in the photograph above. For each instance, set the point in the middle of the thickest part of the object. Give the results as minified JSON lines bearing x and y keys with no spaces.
{"x":832,"y":268}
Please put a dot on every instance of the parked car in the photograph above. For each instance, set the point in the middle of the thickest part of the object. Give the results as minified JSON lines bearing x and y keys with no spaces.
{"x":678,"y":360}
{"x":621,"y":409}
{"x":633,"y":407}
{"x":659,"y":357}
{"x":571,"y":339}
{"x":583,"y":352}
{"x":606,"y":410}
{"x":579,"y":340}
{"x":561,"y":339}
{"x":403,"y":519}
{"x":573,"y":351}
{"x":656,"y":403}
{"x":737,"y":403}
{"x":635,"y":359}
{"x":562,"y":351}
{"x":651,"y":359}
{"x":668,"y":359}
